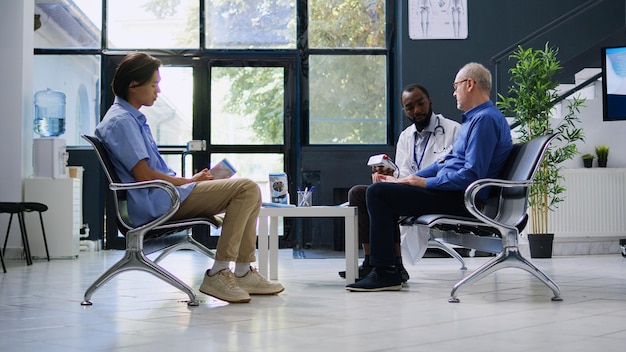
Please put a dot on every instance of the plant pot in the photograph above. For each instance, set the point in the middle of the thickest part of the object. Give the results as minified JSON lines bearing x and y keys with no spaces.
{"x":540,"y":245}
{"x":588,"y":163}
{"x":601,"y":162}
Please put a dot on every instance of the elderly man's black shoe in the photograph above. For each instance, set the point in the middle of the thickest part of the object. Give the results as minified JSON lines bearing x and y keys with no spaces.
{"x":379,"y":279}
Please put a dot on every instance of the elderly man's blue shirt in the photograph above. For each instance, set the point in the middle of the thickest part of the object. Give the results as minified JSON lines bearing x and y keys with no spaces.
{"x":479,"y":151}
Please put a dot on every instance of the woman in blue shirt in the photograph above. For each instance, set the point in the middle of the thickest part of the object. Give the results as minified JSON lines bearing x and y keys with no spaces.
{"x":126,"y":135}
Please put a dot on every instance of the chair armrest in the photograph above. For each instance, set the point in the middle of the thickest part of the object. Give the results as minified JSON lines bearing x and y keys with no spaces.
{"x":168,"y":187}
{"x":480,"y":220}
{"x":472,"y":190}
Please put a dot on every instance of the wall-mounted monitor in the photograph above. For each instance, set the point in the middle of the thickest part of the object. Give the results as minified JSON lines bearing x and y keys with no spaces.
{"x":614,"y":83}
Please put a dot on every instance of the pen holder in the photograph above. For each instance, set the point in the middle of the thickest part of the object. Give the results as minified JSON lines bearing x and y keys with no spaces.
{"x":304,"y":198}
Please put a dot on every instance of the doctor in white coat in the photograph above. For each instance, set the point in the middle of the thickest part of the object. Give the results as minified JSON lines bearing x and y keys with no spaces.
{"x":425,"y":141}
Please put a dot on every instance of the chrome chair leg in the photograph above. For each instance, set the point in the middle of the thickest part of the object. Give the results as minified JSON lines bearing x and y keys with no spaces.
{"x":509,"y":257}
{"x":433,"y":243}
{"x":136,"y":260}
{"x":188,"y":243}
{"x":525,"y":264}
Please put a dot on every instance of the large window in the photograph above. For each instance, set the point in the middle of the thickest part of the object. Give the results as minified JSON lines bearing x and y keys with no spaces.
{"x":247,"y":105}
{"x":76,"y":80}
{"x":171,"y":116}
{"x":340,"y":47}
{"x":73,"y":24}
{"x":153,"y":24}
{"x":347,"y":104}
{"x":259,"y":80}
{"x":346,"y":23}
{"x":250,"y":24}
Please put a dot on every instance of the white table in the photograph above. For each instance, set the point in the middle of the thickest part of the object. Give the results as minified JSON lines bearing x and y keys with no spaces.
{"x":272,"y":214}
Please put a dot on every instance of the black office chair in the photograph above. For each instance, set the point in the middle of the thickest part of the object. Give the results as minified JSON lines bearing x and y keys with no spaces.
{"x":158,"y":234}
{"x":497,"y":226}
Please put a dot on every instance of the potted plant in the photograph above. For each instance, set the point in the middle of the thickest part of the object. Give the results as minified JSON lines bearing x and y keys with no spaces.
{"x":602,"y":152}
{"x":587,"y":160}
{"x":531,"y":100}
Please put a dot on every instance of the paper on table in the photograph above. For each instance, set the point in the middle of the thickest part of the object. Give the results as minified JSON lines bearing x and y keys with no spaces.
{"x":223,"y":169}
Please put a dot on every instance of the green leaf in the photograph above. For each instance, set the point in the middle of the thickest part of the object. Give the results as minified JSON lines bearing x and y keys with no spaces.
{"x":530,"y":99}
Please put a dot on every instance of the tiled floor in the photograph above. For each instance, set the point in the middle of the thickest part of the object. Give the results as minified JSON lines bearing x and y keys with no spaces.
{"x":40,"y":309}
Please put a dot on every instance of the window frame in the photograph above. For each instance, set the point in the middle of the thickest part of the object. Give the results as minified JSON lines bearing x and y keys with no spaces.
{"x":296,"y":132}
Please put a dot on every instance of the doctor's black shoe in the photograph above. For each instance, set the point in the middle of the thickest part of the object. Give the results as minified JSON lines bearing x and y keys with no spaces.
{"x":403,"y":273}
{"x":364,"y":270}
{"x":379,"y":279}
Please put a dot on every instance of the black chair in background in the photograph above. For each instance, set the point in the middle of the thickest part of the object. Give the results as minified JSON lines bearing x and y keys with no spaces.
{"x":496,"y":227}
{"x":4,"y":268}
{"x":159,"y":234}
{"x":19,"y":208}
{"x":15,"y":208}
{"x":40,"y":208}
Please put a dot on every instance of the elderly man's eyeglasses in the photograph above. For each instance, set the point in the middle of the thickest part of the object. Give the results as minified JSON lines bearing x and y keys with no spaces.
{"x":455,"y":85}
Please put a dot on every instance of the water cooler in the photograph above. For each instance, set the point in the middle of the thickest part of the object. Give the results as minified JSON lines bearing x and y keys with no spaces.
{"x":49,"y":157}
{"x":49,"y":113}
{"x":50,"y":183}
{"x":49,"y":152}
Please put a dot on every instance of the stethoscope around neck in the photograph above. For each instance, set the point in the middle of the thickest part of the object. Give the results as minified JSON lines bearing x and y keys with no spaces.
{"x":438,"y":131}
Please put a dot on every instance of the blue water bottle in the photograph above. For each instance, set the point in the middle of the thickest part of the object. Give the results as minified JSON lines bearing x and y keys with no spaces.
{"x":49,"y":113}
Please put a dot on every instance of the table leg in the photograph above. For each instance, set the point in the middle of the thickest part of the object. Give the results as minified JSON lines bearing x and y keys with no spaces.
{"x":274,"y":248}
{"x":352,"y":247}
{"x":262,"y":251}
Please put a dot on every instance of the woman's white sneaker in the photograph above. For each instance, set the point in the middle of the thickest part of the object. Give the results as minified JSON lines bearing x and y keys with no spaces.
{"x":223,"y":285}
{"x":255,"y":284}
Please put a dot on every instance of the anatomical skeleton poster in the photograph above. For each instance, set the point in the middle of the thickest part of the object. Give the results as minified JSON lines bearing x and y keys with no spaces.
{"x":437,"y":19}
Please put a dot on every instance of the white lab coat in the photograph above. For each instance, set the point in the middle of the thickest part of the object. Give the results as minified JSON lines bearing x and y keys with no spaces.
{"x":439,"y":145}
{"x":414,"y":239}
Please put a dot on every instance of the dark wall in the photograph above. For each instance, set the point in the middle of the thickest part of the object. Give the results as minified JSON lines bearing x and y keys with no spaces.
{"x":93,"y":190}
{"x":493,"y":26}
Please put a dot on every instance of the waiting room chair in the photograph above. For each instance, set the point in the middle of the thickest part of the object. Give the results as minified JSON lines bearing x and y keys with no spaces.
{"x":496,"y":227}
{"x":20,"y":208}
{"x":159,"y":234}
{"x":433,"y":242}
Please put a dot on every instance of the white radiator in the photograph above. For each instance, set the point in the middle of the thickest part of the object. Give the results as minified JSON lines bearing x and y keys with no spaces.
{"x":594,"y":205}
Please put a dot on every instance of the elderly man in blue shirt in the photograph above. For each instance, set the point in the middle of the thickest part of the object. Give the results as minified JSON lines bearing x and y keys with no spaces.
{"x":479,"y":151}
